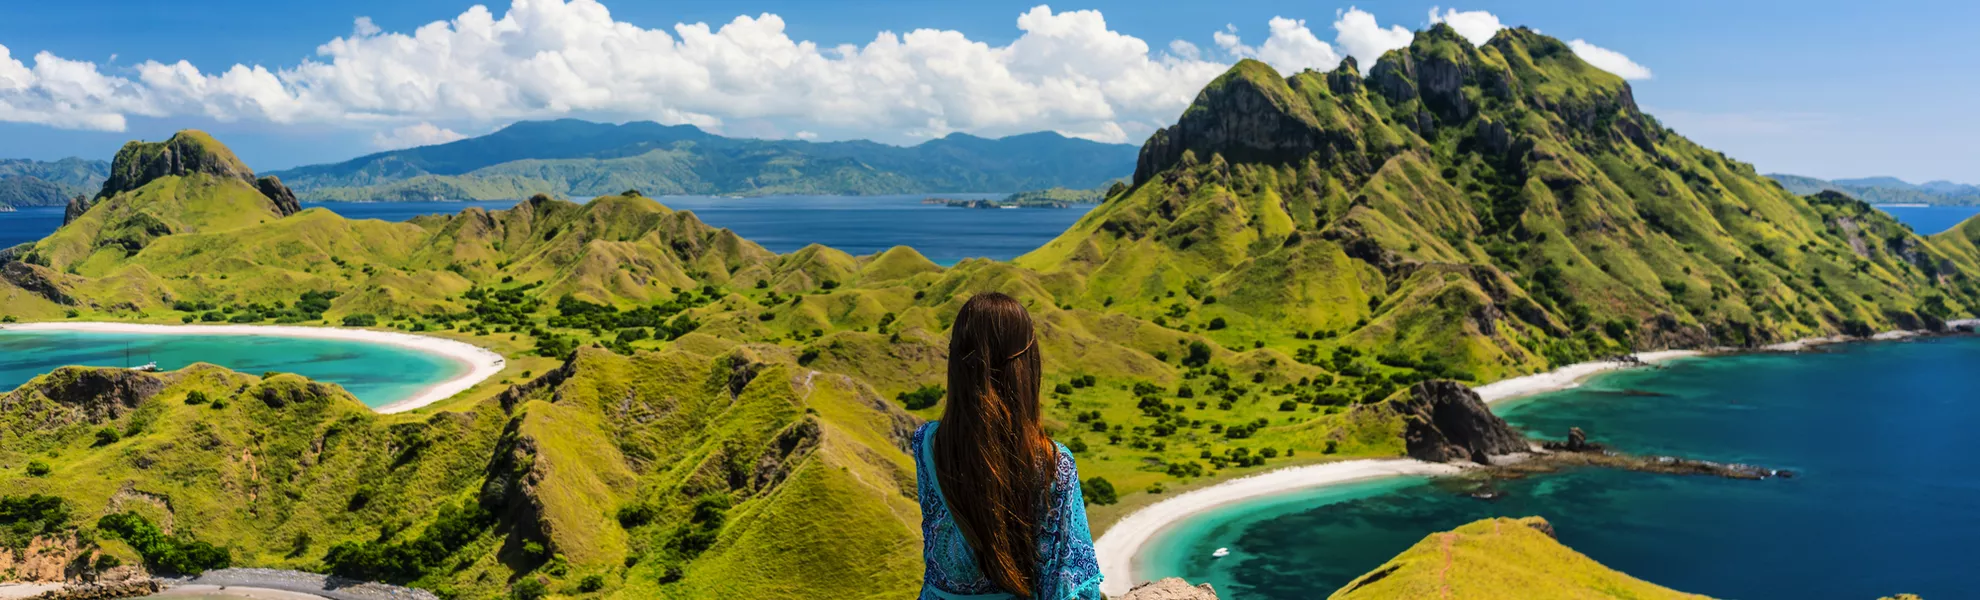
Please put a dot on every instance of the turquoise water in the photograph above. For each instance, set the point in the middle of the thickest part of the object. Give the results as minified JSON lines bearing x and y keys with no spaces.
{"x":1880,"y":434}
{"x":378,"y":374}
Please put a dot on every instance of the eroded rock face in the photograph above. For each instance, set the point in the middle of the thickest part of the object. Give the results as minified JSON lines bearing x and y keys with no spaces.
{"x":77,"y":206}
{"x":1172,"y":588}
{"x":38,"y":280}
{"x":1445,"y":421}
{"x":76,"y":394}
{"x":285,"y":200}
{"x":138,"y":163}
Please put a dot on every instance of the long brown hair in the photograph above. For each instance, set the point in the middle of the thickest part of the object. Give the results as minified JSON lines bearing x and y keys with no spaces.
{"x":992,"y":457}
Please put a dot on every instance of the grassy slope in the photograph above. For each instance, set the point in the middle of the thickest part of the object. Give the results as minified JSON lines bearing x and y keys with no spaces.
{"x":1489,"y":558}
{"x":1307,"y":283}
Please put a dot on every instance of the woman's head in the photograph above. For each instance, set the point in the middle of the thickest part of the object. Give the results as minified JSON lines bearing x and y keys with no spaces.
{"x":992,"y":456}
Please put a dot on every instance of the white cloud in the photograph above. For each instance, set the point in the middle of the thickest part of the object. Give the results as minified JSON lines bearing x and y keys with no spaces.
{"x":805,"y":135}
{"x":1064,"y":71}
{"x":421,"y":134}
{"x":1475,"y":25}
{"x":1609,"y":60}
{"x":1290,"y":48}
{"x":1358,"y":33}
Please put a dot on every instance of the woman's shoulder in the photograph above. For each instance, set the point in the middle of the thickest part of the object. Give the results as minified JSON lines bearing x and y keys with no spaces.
{"x":920,"y":437}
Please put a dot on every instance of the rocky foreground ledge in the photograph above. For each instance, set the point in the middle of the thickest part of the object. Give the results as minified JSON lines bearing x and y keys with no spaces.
{"x":1172,"y":588}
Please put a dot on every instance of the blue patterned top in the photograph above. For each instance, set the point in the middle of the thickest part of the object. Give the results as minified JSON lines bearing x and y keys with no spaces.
{"x":1070,"y":571}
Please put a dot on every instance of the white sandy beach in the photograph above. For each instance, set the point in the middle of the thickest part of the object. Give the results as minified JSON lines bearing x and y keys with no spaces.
{"x":1117,"y":548}
{"x":191,"y":591}
{"x":481,"y":362}
{"x":1569,"y":376}
{"x":17,"y":591}
{"x":1121,"y":543}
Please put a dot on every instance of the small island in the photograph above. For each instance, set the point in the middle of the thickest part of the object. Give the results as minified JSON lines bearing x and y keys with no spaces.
{"x":1056,"y":197}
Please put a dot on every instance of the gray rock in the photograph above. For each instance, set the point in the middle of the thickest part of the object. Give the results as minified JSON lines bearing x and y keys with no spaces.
{"x":1172,"y":588}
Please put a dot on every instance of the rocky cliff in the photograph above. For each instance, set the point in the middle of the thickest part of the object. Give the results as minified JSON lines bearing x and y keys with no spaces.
{"x":1445,"y":421}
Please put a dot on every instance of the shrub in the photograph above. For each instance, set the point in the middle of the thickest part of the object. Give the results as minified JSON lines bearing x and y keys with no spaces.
{"x":196,"y":397}
{"x":591,"y":583}
{"x":922,"y":397}
{"x":1099,"y":491}
{"x":529,"y":588}
{"x":360,"y":320}
{"x":1199,"y":355}
{"x":170,"y":554}
{"x":107,"y":436}
{"x":39,"y":469}
{"x":1217,"y":323}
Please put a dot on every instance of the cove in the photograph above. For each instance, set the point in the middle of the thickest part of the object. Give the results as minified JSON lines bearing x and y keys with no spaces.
{"x":1878,"y":432}
{"x":378,"y":374}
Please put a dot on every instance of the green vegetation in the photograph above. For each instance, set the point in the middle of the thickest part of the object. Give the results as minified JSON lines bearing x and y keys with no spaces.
{"x":1485,"y":559}
{"x":1884,"y":190}
{"x":49,"y":183}
{"x":577,"y":158}
{"x":710,"y":419}
{"x":174,"y":554}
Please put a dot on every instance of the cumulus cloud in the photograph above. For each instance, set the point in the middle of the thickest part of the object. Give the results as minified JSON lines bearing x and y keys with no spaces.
{"x":1064,"y":71}
{"x":1477,"y":26}
{"x":1290,"y":47}
{"x":420,"y":134}
{"x":1365,"y":40}
{"x":1609,"y":60}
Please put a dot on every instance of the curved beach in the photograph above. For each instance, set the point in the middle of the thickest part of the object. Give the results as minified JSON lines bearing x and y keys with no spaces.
{"x":1120,"y":544}
{"x":481,"y":363}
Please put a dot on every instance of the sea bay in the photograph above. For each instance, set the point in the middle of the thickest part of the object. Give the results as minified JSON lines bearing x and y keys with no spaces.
{"x":378,"y":374}
{"x":1880,"y":505}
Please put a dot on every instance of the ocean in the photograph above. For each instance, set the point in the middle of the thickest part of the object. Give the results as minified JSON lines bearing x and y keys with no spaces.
{"x":1928,"y":220}
{"x":1880,"y":435}
{"x":856,"y":224}
{"x":378,"y":374}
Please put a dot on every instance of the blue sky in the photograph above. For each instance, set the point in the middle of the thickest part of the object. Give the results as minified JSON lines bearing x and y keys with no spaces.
{"x":1831,"y":89}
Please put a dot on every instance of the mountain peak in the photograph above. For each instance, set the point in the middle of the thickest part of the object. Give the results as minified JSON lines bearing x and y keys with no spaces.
{"x":186,"y":152}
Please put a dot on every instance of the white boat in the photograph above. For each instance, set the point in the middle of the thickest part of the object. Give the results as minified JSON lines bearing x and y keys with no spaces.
{"x":1221,"y":552}
{"x":146,"y":367}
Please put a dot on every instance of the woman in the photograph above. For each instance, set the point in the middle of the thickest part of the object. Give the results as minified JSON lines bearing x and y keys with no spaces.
{"x":1001,"y":511}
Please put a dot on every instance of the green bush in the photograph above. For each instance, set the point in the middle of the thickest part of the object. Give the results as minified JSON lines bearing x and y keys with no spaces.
{"x":591,"y":583}
{"x":196,"y":397}
{"x":922,"y":397}
{"x":1099,"y":491}
{"x":360,"y":320}
{"x":39,"y":469}
{"x":529,"y":588}
{"x":179,"y":554}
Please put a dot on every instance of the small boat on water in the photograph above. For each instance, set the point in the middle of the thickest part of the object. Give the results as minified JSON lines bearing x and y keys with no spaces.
{"x":1220,"y":553}
{"x":150,"y":367}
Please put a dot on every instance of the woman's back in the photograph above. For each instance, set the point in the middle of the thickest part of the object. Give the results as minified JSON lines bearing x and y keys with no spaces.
{"x":1065,"y":544}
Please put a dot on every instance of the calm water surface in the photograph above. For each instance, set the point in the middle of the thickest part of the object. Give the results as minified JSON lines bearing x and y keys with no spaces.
{"x":1928,"y":220}
{"x":856,"y":224}
{"x":1881,"y":435}
{"x":378,"y":374}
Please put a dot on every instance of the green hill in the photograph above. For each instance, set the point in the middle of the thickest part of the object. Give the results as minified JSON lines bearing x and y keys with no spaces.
{"x":578,"y":158}
{"x":685,"y":414}
{"x":49,"y":183}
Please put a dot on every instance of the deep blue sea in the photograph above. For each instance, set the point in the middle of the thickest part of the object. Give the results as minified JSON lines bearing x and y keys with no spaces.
{"x":378,"y":374}
{"x":856,"y":224}
{"x":1928,"y":220}
{"x":1881,"y":434}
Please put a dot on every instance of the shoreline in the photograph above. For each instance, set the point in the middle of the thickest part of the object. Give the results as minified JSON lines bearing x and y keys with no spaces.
{"x":481,"y":363}
{"x":1119,"y":546}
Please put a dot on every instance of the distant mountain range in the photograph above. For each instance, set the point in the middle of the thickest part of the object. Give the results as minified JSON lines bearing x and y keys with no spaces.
{"x":1886,"y":190}
{"x":49,"y":183}
{"x":579,"y":158}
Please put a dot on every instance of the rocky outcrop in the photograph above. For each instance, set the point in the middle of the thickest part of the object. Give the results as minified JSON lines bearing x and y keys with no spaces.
{"x":1664,"y":332}
{"x":135,"y":588}
{"x":1249,"y":115}
{"x":185,"y":153}
{"x":1172,"y":588}
{"x":1445,"y":421}
{"x":37,"y":280}
{"x":81,"y":394}
{"x":285,"y":200}
{"x":77,"y":206}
